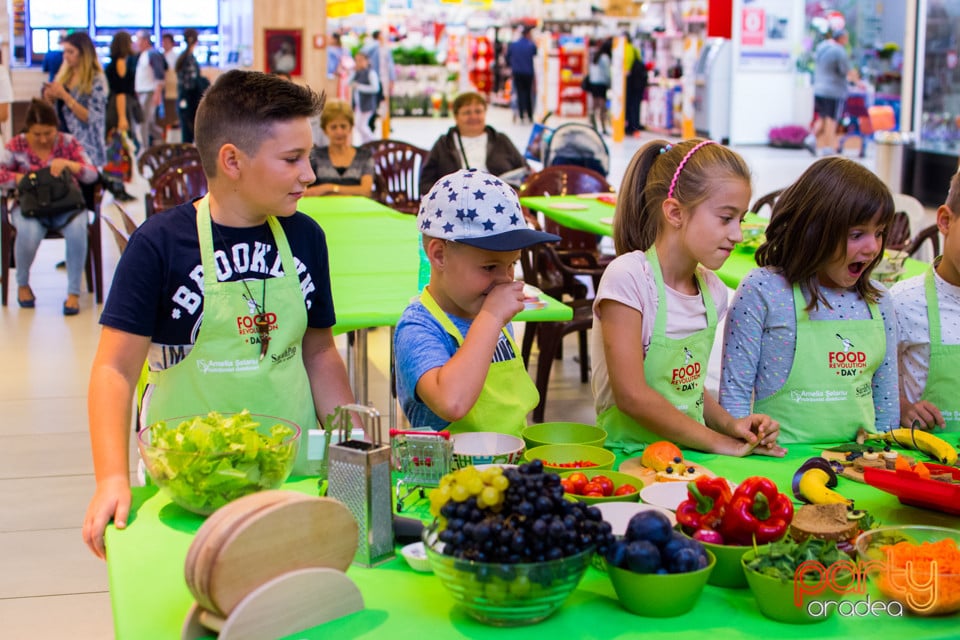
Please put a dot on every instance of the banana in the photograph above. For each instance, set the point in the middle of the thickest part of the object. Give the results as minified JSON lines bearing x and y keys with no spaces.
{"x":934,"y":446}
{"x":813,"y":487}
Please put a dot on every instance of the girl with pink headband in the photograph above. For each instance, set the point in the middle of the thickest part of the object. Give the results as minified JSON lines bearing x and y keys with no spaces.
{"x":657,"y":307}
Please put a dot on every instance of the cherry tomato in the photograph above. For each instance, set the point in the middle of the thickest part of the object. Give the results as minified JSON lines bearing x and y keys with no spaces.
{"x":569,"y":486}
{"x":594,"y":494}
{"x":578,"y":480}
{"x":593,"y":487}
{"x":625,"y":489}
{"x":604,"y":482}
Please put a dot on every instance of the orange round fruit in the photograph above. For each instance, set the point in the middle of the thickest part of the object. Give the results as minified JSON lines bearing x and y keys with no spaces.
{"x":659,"y":455}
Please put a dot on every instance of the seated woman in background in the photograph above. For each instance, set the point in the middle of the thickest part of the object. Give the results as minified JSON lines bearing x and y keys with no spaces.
{"x":341,"y":168}
{"x":43,"y":146}
{"x":470,"y":144}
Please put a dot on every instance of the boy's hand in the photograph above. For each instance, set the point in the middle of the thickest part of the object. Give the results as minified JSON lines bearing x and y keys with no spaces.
{"x":505,"y":301}
{"x":111,"y":501}
{"x":924,"y":412}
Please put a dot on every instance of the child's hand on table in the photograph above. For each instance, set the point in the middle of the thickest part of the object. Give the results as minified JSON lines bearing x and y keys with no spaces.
{"x":759,"y":434}
{"x":924,"y":413}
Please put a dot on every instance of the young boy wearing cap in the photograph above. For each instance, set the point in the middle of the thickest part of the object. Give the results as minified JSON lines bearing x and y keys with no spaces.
{"x":928,"y":326}
{"x":458,"y":366}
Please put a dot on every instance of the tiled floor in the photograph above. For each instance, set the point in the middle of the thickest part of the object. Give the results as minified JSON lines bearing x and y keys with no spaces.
{"x":50,"y":585}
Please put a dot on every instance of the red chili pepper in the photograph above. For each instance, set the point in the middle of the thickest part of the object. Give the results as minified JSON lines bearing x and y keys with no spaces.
{"x":757,"y":511}
{"x":706,"y":504}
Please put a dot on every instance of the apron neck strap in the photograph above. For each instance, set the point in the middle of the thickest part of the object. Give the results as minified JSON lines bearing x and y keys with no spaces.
{"x":933,"y":309}
{"x":660,"y":323}
{"x":205,"y":234}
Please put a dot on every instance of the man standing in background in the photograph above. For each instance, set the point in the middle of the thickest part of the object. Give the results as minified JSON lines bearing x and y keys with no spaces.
{"x":386,"y":76}
{"x":520,"y":55}
{"x":636,"y":84}
{"x":829,"y":92}
{"x":149,"y":83}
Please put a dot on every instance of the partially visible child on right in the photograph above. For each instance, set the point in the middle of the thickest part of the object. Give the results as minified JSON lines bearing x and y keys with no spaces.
{"x":928,"y":324}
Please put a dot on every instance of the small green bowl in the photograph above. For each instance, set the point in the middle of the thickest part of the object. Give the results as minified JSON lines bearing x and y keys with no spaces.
{"x":775,"y":597}
{"x":538,"y":435}
{"x":555,"y":454}
{"x":729,"y":571}
{"x":616,"y":477}
{"x":658,"y":595}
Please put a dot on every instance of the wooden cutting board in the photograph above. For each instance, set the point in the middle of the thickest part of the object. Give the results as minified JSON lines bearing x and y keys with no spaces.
{"x":849,"y":471}
{"x":278,"y":539}
{"x":283,"y":606}
{"x":214,"y":531}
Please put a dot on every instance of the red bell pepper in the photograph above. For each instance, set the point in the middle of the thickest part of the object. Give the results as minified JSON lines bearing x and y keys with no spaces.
{"x":706,"y":504}
{"x":757,"y":511}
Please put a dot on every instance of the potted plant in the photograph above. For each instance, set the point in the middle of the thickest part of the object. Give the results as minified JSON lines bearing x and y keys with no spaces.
{"x":790,"y":136}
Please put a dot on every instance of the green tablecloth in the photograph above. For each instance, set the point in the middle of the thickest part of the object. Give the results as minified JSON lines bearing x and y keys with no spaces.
{"x":595,"y":217}
{"x":374,"y":262}
{"x":150,"y":598}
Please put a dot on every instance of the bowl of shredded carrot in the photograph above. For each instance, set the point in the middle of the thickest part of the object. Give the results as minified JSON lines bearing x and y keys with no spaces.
{"x":917,"y":566}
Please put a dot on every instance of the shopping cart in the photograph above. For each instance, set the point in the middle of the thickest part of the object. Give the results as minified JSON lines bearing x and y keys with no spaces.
{"x":855,"y":121}
{"x":422,"y":457}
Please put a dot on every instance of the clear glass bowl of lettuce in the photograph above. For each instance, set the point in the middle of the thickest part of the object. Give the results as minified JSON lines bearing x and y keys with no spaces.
{"x":204,"y":462}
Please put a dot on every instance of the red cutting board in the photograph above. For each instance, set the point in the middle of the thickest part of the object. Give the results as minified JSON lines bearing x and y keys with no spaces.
{"x":915,"y":491}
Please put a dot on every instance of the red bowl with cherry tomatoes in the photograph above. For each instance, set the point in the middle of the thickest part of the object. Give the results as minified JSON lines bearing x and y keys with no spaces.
{"x":593,"y":486}
{"x":558,"y":458}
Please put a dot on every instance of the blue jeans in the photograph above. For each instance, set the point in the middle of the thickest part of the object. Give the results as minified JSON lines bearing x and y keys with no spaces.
{"x":31,"y":231}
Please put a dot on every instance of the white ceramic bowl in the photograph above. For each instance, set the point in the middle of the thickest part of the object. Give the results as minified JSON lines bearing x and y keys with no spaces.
{"x":486,"y":447}
{"x":668,"y":495}
{"x":416,"y":557}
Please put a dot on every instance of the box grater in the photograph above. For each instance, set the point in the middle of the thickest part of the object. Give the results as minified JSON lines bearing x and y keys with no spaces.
{"x":359,"y":477}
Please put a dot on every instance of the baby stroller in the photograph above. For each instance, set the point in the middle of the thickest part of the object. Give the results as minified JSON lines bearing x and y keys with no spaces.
{"x":577,"y":144}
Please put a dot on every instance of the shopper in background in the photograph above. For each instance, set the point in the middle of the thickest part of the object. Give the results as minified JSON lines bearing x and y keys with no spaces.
{"x":659,"y":302}
{"x":123,"y":109}
{"x":334,"y":53}
{"x":829,"y":92}
{"x":470,"y":144}
{"x":386,"y":76}
{"x":341,"y":168}
{"x":149,"y":82}
{"x":520,"y":56}
{"x":636,"y":85}
{"x":79,"y":95}
{"x":365,"y":84}
{"x":41,"y":145}
{"x":600,"y":81}
{"x":190,"y":85}
{"x":6,"y":99}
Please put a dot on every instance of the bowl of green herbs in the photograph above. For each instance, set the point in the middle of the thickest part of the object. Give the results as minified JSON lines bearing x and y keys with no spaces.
{"x":798,"y":583}
{"x":204,"y":462}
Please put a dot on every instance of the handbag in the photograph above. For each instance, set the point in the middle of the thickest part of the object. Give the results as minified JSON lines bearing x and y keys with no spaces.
{"x":43,"y":195}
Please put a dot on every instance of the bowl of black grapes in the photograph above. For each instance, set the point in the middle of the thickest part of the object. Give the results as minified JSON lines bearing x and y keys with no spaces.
{"x":507,"y":545}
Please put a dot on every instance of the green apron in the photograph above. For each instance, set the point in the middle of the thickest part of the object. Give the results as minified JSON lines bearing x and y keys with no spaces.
{"x":223,"y":371}
{"x":941,"y":389}
{"x":828,"y":394}
{"x":508,"y":393}
{"x":674,"y":368}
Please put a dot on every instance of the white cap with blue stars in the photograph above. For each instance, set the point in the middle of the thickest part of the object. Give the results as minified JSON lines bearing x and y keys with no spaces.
{"x":478,"y":209}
